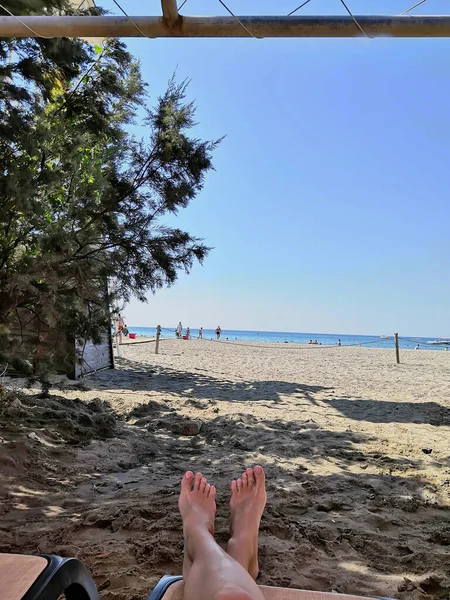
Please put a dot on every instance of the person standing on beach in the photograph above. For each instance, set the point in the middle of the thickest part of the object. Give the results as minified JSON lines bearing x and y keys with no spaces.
{"x":188,"y":333}
{"x":178,"y":330}
{"x":200,"y":333}
{"x":339,"y":343}
{"x":120,"y":326}
{"x":218,"y":332}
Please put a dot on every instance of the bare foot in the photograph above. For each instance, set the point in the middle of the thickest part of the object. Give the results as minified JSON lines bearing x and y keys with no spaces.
{"x":197,"y":507}
{"x":248,"y":499}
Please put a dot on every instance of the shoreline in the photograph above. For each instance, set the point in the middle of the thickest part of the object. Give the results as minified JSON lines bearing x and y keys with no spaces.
{"x":369,"y":345}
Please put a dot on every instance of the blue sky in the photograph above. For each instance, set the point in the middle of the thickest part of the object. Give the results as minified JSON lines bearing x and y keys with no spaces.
{"x":329,"y":207}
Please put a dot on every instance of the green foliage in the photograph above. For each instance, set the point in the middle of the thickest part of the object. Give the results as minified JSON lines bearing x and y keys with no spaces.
{"x":81,"y":198}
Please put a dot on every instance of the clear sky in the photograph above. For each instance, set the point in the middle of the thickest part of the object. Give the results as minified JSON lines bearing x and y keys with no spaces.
{"x":329,"y":207}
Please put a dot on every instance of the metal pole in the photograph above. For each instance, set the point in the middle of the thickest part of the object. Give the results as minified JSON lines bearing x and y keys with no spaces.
{"x":397,"y":350}
{"x":210,"y":27}
{"x":158,"y":333}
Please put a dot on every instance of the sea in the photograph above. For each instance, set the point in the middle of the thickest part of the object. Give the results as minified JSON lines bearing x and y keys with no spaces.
{"x":285,"y":337}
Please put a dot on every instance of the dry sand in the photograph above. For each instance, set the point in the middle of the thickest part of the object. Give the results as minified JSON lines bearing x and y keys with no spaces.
{"x":356,"y":450}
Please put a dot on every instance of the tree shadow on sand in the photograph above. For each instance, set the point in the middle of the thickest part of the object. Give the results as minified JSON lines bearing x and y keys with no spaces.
{"x":345,"y":511}
{"x":197,"y":386}
{"x":383,"y":411}
{"x":355,"y":528}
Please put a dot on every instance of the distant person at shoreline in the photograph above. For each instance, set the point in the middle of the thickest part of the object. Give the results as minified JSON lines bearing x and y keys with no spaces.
{"x":417,"y":347}
{"x":188,"y":333}
{"x":125,"y":330}
{"x":218,"y":332}
{"x":310,"y":342}
{"x":339,"y":343}
{"x":200,"y":333}
{"x":178,"y":330}
{"x":120,"y":326}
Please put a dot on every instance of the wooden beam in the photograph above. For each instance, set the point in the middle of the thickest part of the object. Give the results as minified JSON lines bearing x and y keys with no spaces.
{"x":211,"y":27}
{"x":170,"y":11}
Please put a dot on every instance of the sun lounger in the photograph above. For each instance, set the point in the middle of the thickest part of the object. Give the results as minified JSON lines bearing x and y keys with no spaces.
{"x":170,"y":587}
{"x":45,"y":577}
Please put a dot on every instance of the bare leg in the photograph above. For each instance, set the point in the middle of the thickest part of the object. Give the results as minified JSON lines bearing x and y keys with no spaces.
{"x":209,"y":573}
{"x":248,"y":499}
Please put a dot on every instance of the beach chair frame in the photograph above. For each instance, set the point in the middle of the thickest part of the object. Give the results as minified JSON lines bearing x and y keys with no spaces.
{"x":271,"y":593}
{"x":61,"y":576}
{"x":69,"y":577}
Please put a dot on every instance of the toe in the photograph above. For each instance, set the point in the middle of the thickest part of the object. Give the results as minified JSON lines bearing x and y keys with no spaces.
{"x":259,"y":476}
{"x":207,"y":490}
{"x":251,"y":477}
{"x":186,"y":482}
{"x":234,"y":488}
{"x":203,"y":485}
{"x":244,"y":479}
{"x":212,"y":492}
{"x":239,"y":484}
{"x":198,"y":480}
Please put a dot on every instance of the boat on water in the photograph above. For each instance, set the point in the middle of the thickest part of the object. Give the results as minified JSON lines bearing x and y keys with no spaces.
{"x":441,"y":340}
{"x":384,"y":337}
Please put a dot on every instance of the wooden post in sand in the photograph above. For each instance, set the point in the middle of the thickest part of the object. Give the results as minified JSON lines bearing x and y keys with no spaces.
{"x":397,"y":352}
{"x":158,"y":333}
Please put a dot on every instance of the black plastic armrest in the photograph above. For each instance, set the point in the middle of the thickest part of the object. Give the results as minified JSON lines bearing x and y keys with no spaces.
{"x":66,"y":576}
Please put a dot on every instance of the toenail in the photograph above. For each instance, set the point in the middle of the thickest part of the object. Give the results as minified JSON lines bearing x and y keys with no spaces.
{"x":258,"y":469}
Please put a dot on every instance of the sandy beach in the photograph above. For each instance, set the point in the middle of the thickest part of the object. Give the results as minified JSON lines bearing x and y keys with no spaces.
{"x":356,"y":451}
